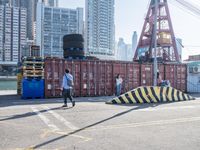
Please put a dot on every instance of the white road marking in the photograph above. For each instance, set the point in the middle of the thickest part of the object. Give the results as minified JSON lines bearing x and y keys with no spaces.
{"x":168,"y":108}
{"x":53,"y":127}
{"x":144,"y":124}
{"x":62,"y":119}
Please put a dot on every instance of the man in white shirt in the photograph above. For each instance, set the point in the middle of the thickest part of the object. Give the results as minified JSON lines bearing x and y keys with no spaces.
{"x":67,"y":86}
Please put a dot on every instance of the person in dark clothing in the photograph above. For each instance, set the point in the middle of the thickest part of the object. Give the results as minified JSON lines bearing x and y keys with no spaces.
{"x":67,"y":86}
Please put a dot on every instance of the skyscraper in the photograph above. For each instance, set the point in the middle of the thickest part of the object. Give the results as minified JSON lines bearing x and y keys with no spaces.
{"x":134,"y":43}
{"x":30,"y":5}
{"x":4,"y":2}
{"x":100,"y":34}
{"x":13,"y":32}
{"x":121,"y":50}
{"x":124,"y":51}
{"x":52,"y":24}
{"x":179,"y":47}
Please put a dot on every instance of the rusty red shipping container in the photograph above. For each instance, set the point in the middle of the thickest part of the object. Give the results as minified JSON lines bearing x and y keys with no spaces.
{"x":146,"y":75}
{"x":105,"y":78}
{"x":132,"y":76}
{"x":181,"y":77}
{"x":130,"y":73}
{"x":177,"y":75}
{"x":119,"y":68}
{"x":88,"y":78}
{"x":97,"y":78}
{"x":161,"y":69}
{"x":53,"y":74}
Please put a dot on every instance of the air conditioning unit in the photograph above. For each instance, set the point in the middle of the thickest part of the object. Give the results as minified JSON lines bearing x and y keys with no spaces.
{"x":196,"y":69}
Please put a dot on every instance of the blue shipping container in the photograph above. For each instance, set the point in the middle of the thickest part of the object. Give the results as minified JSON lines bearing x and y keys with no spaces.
{"x":32,"y":88}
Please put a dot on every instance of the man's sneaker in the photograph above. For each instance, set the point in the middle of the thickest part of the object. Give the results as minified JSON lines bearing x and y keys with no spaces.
{"x":73,"y":103}
{"x":65,"y":105}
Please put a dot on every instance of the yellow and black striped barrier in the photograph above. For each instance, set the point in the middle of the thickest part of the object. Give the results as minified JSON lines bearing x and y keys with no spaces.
{"x":151,"y":94}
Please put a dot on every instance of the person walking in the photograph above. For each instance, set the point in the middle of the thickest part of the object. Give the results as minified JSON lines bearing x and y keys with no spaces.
{"x":67,"y":86}
{"x":118,"y":85}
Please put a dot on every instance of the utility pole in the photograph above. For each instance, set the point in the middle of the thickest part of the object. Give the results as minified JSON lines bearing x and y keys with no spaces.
{"x":155,"y":44}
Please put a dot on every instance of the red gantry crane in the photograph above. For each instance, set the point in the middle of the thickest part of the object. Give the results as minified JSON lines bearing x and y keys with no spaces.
{"x":157,"y":28}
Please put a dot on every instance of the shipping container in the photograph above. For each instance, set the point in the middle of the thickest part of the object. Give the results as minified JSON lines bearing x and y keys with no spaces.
{"x":105,"y":79}
{"x":146,"y":74}
{"x":132,"y":76}
{"x":177,"y":75}
{"x":170,"y":74}
{"x":88,"y":78}
{"x":120,"y":68}
{"x":181,"y":80}
{"x":97,"y":78}
{"x":74,"y":68}
{"x":54,"y":69}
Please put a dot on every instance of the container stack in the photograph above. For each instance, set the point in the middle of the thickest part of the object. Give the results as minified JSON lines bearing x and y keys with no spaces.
{"x":97,"y":77}
{"x":32,"y":80}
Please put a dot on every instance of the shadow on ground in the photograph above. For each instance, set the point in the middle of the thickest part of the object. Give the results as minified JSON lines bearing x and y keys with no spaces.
{"x":14,"y":100}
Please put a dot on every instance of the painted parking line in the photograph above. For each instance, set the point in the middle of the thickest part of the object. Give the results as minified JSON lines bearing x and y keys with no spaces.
{"x":146,"y":124}
{"x":61,"y":119}
{"x":169,"y":108}
{"x":53,"y":127}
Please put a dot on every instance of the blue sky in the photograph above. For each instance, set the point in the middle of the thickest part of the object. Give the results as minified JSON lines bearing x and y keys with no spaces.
{"x":130,"y":14}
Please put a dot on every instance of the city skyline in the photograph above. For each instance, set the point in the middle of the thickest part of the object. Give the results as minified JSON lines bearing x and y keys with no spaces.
{"x":130,"y":16}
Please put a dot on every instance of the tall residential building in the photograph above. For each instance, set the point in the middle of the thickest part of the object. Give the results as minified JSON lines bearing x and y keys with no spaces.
{"x":134,"y":43}
{"x":1,"y":31}
{"x":121,"y":50}
{"x":52,"y":24}
{"x":4,"y":2}
{"x":13,"y":32}
{"x":124,"y":51}
{"x":179,"y":47}
{"x":100,"y":29}
{"x":129,"y":52}
{"x":31,"y":11}
{"x":30,"y":5}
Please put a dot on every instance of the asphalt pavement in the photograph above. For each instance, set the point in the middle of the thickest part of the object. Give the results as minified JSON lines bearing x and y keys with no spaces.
{"x":43,"y":124}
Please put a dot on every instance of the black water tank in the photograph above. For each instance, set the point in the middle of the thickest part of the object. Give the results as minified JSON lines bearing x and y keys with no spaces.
{"x":73,"y":46}
{"x":73,"y":37}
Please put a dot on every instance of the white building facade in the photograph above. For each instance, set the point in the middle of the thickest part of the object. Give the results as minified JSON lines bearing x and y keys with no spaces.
{"x":13,"y":32}
{"x":100,"y":29}
{"x":52,"y":24}
{"x":124,"y":51}
{"x":52,"y":3}
{"x":179,"y":48}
